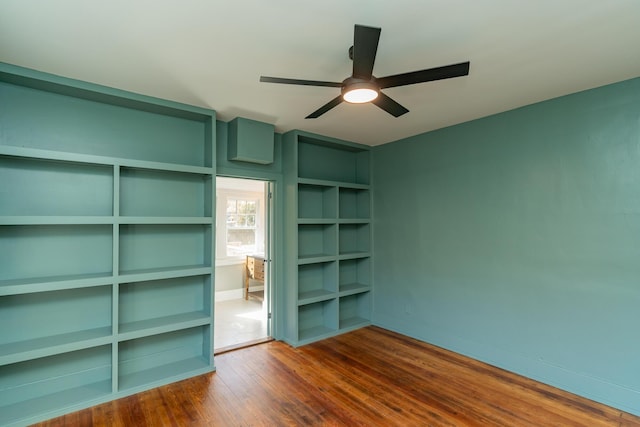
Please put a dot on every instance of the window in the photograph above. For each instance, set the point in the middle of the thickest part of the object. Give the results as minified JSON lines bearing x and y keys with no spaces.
{"x":240,"y":219}
{"x":241,"y":226}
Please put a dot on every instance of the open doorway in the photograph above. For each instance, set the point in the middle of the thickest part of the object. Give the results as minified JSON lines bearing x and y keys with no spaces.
{"x":242,"y":279}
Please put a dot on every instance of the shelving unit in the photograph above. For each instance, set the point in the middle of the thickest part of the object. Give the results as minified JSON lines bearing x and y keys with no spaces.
{"x":354,"y":310}
{"x":154,"y":358}
{"x":329,"y":242}
{"x":316,"y":241}
{"x":317,"y":281}
{"x":44,"y":385}
{"x":106,"y":236}
{"x":317,"y":320}
{"x":355,"y":275}
{"x":317,"y":202}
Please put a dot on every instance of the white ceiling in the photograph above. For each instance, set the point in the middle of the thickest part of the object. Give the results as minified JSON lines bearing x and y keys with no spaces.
{"x":224,"y":183}
{"x":211,"y":53}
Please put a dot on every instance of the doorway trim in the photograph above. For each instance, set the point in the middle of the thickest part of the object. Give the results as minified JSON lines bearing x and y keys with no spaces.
{"x":275,"y":266}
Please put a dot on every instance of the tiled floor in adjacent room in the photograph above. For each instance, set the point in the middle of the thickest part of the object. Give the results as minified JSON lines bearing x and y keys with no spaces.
{"x":239,"y":321}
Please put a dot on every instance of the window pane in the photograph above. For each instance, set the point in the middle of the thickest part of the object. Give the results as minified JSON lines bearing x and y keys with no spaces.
{"x":241,"y":242}
{"x":240,"y":236}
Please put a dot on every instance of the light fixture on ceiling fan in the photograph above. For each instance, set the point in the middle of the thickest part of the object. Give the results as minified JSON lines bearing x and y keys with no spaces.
{"x":359,"y":91}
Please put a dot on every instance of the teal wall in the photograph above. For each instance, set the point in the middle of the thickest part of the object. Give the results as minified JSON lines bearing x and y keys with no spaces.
{"x":515,"y":239}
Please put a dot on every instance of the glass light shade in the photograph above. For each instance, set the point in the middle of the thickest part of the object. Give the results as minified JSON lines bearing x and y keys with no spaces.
{"x":360,"y":95}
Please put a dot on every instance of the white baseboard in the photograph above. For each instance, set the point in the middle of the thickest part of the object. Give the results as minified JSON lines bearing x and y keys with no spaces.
{"x":235,"y":293}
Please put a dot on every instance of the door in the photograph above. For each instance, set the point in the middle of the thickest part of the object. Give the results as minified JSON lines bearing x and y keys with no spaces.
{"x":244,"y":243}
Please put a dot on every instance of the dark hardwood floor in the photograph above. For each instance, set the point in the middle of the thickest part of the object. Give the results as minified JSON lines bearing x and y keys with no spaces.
{"x":370,"y":377}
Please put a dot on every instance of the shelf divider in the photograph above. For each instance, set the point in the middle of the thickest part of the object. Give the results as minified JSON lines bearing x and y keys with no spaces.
{"x":55,"y":344}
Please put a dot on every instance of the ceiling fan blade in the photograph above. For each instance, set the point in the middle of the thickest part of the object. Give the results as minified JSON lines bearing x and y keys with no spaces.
{"x":389,"y":105}
{"x":326,"y":107}
{"x":439,"y":73}
{"x":365,"y":46}
{"x":266,"y":79}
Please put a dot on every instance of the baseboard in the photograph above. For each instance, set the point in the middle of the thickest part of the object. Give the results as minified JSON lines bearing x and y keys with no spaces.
{"x":235,"y":293}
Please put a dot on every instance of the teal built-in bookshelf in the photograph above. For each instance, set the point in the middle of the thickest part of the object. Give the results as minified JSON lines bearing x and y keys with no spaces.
{"x":106,"y":243}
{"x":328,"y":236}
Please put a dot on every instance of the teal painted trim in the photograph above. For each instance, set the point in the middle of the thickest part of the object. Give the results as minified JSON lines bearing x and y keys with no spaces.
{"x":79,"y":89}
{"x":53,"y":220}
{"x":289,"y":297}
{"x":513,"y":239}
{"x":333,"y":183}
{"x":325,"y":333}
{"x":210,"y":153}
{"x":246,"y":173}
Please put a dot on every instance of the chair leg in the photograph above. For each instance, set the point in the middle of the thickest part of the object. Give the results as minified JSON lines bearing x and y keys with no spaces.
{"x":246,"y":282}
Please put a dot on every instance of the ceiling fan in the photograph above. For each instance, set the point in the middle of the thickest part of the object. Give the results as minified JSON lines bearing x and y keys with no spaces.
{"x":362,"y":86}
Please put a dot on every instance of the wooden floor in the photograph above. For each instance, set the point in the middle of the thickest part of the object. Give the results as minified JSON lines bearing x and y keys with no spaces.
{"x":369,"y":377}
